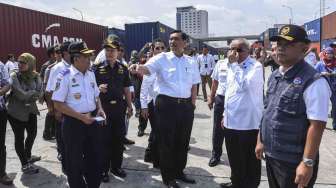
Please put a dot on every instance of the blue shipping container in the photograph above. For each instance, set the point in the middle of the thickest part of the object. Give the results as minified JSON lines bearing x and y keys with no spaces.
{"x":326,"y":43}
{"x":313,"y":29}
{"x":138,"y":34}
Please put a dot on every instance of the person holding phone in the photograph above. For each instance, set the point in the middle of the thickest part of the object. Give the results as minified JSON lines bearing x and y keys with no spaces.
{"x":113,"y":81}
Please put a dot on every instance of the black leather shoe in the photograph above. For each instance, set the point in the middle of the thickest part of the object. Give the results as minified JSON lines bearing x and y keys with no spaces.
{"x":119,"y":172}
{"x":213,"y":162}
{"x":6,"y":180}
{"x":105,"y":177}
{"x":148,"y":157}
{"x":141,"y":133}
{"x":128,"y":141}
{"x":172,"y":184}
{"x":226,"y":185}
{"x":183,"y":177}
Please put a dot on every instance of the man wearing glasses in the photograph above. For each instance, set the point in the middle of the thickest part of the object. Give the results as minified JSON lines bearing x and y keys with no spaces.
{"x":243,"y":107}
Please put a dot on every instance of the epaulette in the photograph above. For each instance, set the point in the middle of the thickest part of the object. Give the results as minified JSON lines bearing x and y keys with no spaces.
{"x":65,"y":72}
{"x":51,"y":65}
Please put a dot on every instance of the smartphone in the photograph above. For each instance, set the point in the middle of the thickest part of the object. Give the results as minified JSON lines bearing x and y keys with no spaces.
{"x":99,"y":119}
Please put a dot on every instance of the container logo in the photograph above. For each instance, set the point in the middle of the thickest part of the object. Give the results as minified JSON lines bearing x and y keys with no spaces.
{"x":45,"y":40}
{"x":311,"y":31}
{"x":162,"y":30}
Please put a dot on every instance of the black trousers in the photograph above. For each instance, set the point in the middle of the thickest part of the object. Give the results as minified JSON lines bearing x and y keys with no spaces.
{"x":23,"y":147}
{"x":175,"y":120}
{"x":83,"y":153}
{"x":218,"y":132}
{"x":152,"y":148}
{"x":142,"y":123}
{"x":3,"y":126}
{"x":49,"y":126}
{"x":114,"y":135}
{"x":282,"y":174}
{"x":245,"y":167}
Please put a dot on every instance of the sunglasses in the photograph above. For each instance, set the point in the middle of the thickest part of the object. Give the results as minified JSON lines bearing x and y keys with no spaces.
{"x":237,"y":49}
{"x":22,"y":62}
{"x":159,"y":48}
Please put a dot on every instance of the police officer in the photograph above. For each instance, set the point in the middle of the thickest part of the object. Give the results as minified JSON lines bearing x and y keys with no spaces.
{"x":76,"y":95}
{"x":217,"y":96}
{"x":4,"y":87}
{"x":295,"y":115}
{"x":177,"y":76}
{"x":114,"y":82}
{"x":51,"y":75}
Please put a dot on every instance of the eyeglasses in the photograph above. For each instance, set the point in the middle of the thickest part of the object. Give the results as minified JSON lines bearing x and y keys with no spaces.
{"x":22,"y":62}
{"x":237,"y":49}
{"x":159,"y":48}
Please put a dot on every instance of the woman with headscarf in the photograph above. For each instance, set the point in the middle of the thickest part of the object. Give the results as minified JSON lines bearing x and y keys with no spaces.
{"x":327,"y":67}
{"x":26,"y":86}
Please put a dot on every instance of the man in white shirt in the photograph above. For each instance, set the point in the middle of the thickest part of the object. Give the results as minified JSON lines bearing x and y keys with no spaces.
{"x":207,"y":64}
{"x":11,"y":65}
{"x":242,"y":115}
{"x":311,"y":57}
{"x":177,"y":76}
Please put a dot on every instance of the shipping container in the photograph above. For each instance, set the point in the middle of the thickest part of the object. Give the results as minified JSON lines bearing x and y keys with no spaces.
{"x":313,"y":29}
{"x":329,"y":26}
{"x":316,"y":45}
{"x":25,"y":30}
{"x":118,"y":32}
{"x":266,"y":35}
{"x":138,"y":34}
{"x":325,"y":43}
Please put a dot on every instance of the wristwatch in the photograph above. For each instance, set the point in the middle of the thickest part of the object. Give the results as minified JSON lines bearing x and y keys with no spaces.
{"x":308,"y":162}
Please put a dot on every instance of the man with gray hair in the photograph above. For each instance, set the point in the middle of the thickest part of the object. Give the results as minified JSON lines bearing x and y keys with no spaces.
{"x":242,"y":115}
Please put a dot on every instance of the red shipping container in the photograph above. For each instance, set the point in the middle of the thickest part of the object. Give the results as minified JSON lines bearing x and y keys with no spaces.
{"x":329,"y":26}
{"x":25,"y":30}
{"x":316,"y":45}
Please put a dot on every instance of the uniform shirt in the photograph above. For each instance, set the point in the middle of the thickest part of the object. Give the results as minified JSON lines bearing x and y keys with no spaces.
{"x":219,"y":74}
{"x":11,"y":66}
{"x":79,"y":91}
{"x":175,"y":75}
{"x":207,"y":64}
{"x":4,"y":81}
{"x":244,"y":95}
{"x":54,"y":71}
{"x":116,"y":78}
{"x":148,"y":91}
{"x":316,"y":98}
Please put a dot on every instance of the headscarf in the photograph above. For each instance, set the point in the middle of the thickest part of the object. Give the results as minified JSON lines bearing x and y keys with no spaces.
{"x":30,"y":74}
{"x":331,"y":64}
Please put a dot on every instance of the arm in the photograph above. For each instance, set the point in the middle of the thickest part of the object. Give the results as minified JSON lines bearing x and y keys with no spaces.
{"x":18,"y":91}
{"x":144,"y":92}
{"x":194,"y":95}
{"x":213,"y":90}
{"x":244,"y":81}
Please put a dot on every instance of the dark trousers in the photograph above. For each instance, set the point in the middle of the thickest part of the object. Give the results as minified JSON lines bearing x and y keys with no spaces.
{"x":245,"y":167}
{"x":49,"y":126}
{"x":152,"y":148}
{"x":206,"y":79}
{"x":175,"y":120}
{"x":23,"y":147}
{"x":83,"y":153}
{"x":282,"y":174}
{"x":218,"y":132}
{"x":333,"y":108}
{"x":114,"y":135}
{"x":3,"y":125}
{"x":142,"y":123}
{"x":60,"y":142}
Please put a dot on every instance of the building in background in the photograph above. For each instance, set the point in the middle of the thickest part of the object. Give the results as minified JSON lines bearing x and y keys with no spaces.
{"x":192,"y":21}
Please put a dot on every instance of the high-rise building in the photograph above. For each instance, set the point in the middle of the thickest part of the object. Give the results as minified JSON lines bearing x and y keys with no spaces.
{"x":192,"y":21}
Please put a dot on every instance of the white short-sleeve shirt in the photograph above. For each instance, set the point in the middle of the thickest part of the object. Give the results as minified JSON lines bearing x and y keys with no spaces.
{"x":219,"y":73}
{"x":54,"y":71}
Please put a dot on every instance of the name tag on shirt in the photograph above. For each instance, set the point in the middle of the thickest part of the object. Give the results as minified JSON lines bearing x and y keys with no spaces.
{"x":172,"y":70}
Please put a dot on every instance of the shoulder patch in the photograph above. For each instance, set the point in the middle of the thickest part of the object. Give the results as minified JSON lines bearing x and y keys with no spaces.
{"x":65,"y":72}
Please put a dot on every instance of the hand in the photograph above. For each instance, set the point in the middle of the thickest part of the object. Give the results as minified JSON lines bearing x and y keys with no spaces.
{"x":303,"y":175}
{"x":210,"y":102}
{"x":133,"y":69}
{"x":103,"y":88}
{"x":222,"y":123}
{"x":101,"y":113}
{"x":144,"y":113}
{"x":193,"y":104}
{"x":87,"y":119}
{"x":132,"y":96}
{"x":233,"y":56}
{"x":129,"y":112}
{"x":259,"y":150}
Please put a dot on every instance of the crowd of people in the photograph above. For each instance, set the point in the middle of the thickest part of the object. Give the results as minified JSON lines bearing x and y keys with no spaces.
{"x":90,"y":100}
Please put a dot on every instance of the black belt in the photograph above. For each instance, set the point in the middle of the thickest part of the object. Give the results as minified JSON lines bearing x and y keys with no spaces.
{"x":177,"y":100}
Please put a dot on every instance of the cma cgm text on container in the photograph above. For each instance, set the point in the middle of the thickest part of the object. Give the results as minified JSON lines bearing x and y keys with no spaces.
{"x":25,"y":30}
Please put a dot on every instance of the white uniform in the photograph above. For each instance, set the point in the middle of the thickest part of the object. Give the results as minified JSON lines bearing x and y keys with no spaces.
{"x":219,"y":74}
{"x":79,"y":91}
{"x":175,"y":75}
{"x":54,"y":72}
{"x":148,"y":91}
{"x":11,"y":66}
{"x":207,"y":64}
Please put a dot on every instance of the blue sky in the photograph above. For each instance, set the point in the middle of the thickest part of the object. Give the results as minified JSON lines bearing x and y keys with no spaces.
{"x":226,"y":17}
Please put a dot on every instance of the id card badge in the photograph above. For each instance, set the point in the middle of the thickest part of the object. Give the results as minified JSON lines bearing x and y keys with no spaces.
{"x":206,"y":66}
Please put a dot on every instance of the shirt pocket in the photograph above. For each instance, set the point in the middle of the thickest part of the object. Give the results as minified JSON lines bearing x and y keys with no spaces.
{"x":188,"y":74}
{"x":169,"y":73}
{"x":222,"y":75}
{"x":289,"y":103}
{"x":75,"y":93}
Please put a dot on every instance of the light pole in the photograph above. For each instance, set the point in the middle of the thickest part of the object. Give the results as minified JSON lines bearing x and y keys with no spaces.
{"x":80,"y":12}
{"x":291,"y":20}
